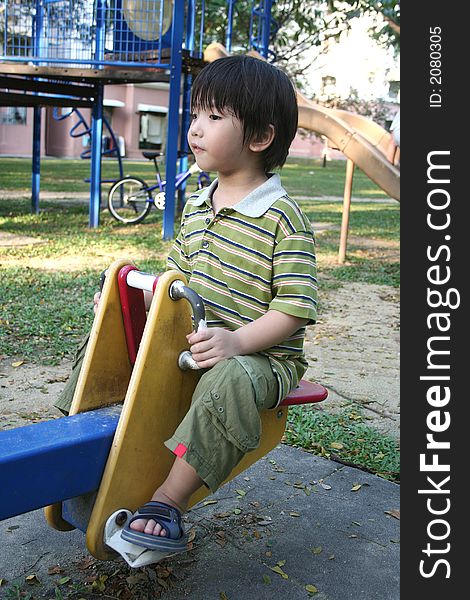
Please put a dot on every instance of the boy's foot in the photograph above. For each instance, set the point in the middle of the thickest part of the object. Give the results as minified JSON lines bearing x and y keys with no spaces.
{"x":150,"y":526}
{"x":139,"y":529}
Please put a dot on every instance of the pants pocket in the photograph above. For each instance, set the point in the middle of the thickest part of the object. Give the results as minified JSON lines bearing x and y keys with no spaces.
{"x":231,"y":400}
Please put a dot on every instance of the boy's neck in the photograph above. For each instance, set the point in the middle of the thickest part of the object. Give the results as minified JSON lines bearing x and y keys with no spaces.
{"x":232,"y":188}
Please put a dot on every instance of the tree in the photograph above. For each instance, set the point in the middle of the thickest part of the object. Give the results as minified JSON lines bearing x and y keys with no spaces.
{"x":387,"y":29}
{"x":300,"y":26}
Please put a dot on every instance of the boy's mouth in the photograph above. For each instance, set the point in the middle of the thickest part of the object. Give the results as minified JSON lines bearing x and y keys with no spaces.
{"x":196,"y":149}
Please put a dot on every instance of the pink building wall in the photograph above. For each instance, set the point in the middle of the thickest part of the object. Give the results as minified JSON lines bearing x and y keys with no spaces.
{"x":56,"y":141}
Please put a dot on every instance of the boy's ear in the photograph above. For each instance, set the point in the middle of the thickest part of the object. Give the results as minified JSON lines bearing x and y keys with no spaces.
{"x":264,"y":141}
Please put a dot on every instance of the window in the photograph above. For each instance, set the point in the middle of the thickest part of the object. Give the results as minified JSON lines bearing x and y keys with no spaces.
{"x":13,"y":115}
{"x":152,"y":128}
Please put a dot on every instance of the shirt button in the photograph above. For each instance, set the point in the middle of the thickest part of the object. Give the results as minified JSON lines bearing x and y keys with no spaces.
{"x":205,"y":244}
{"x":208,"y":221}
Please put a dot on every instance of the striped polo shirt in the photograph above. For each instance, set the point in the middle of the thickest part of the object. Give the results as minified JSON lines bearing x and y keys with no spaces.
{"x":255,"y":256}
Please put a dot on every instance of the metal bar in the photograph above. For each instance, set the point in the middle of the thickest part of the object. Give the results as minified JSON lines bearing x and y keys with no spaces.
{"x":95,"y":167}
{"x":141,"y":281}
{"x":36,"y":163}
{"x":173,"y":118}
{"x":228,"y":35}
{"x":108,"y":75}
{"x":47,"y":462}
{"x":36,"y":85}
{"x":11,"y":99}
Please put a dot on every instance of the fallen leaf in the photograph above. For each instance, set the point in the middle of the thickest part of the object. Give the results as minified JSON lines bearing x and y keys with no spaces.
{"x":356,"y":523}
{"x":317,"y":550}
{"x":331,"y":557}
{"x":266,"y":579}
{"x":336,"y":445}
{"x":18,"y":363}
{"x":55,"y":570}
{"x":311,"y":589}
{"x":356,"y":487}
{"x":63,"y":580}
{"x":281,"y":563}
{"x":207,"y":502}
{"x":222,"y":515}
{"x":191,"y":535}
{"x":99,"y":583}
{"x":241,"y":492}
{"x":223,"y":596}
{"x":325,"y":486}
{"x":294,"y":514}
{"x":3,"y":581}
{"x":393,"y":512}
{"x":277,"y":569}
{"x":237,"y":511}
{"x":32,"y":579}
{"x":163,"y":583}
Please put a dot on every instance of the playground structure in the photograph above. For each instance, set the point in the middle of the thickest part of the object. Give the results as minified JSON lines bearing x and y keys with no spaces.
{"x":108,"y":456}
{"x":63,"y":52}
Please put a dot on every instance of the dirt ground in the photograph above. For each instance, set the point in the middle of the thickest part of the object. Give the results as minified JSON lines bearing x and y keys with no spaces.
{"x":353,"y":350}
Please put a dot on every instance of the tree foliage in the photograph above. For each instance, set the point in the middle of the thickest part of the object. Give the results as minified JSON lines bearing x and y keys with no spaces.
{"x":302,"y":25}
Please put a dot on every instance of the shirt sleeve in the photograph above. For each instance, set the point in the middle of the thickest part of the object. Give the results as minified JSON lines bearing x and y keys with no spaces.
{"x":178,"y":257}
{"x":294,"y":276}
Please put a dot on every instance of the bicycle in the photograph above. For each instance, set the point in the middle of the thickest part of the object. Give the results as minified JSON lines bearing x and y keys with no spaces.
{"x":130,"y":199}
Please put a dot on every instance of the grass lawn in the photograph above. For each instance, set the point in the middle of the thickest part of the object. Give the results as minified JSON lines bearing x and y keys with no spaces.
{"x":302,"y":177}
{"x":47,"y":286}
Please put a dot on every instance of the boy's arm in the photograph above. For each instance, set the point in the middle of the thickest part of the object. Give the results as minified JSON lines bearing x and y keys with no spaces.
{"x":209,"y":346}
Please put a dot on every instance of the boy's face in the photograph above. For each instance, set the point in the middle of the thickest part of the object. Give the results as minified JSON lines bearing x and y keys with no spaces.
{"x":216,"y":140}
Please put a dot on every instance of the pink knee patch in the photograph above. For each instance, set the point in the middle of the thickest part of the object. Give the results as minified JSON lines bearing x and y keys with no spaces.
{"x":180,"y":450}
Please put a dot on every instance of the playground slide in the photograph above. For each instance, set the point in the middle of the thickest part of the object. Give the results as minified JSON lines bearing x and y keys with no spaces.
{"x":358,"y":138}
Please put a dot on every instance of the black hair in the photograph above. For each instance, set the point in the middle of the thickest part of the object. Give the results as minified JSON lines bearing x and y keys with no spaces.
{"x":258,"y":93}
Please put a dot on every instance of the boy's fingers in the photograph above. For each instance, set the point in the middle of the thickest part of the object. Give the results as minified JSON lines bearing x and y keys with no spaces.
{"x":199,"y":336}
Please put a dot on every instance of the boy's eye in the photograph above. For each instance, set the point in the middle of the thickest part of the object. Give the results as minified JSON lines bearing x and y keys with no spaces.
{"x":193,"y":116}
{"x":215,"y":117}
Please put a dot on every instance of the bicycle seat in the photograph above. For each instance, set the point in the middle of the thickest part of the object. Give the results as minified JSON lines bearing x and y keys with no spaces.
{"x":151,"y":154}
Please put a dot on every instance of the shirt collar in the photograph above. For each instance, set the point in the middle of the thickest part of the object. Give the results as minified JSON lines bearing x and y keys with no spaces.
{"x":256,"y":203}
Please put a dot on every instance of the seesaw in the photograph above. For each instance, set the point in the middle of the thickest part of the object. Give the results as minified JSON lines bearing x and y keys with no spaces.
{"x":92,"y":469}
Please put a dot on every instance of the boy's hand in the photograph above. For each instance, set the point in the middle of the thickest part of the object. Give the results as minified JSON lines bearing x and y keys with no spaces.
{"x":211,"y":345}
{"x":96,"y":301}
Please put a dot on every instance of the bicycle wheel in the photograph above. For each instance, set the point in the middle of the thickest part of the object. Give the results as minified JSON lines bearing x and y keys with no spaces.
{"x":129,"y":200}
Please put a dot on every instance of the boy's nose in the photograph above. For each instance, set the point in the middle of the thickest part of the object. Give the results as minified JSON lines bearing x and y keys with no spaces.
{"x":195,"y":129}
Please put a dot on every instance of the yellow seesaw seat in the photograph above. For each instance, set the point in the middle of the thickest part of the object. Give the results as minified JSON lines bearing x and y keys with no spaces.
{"x":157,"y":395}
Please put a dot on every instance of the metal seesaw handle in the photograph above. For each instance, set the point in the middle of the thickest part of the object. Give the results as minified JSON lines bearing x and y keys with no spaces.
{"x":177,"y":291}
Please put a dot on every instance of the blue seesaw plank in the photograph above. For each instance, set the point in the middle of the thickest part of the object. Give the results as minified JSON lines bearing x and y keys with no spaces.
{"x":47,"y":462}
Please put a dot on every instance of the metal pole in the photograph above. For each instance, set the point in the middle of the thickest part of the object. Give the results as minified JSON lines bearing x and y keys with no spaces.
{"x":185,"y":117}
{"x":228,"y":34}
{"x":36,"y":160}
{"x":173,"y":119}
{"x":97,"y":122}
{"x":346,"y":210}
{"x":36,"y":166}
{"x":95,"y":165}
{"x":266,"y":28}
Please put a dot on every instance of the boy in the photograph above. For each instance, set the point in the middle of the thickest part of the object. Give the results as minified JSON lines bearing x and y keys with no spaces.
{"x":248,"y":250}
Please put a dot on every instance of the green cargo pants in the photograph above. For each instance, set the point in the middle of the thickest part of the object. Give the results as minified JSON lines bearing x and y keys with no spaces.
{"x":223,"y":422}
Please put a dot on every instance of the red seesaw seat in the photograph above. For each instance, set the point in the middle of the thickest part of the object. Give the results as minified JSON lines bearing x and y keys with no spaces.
{"x":306,"y":392}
